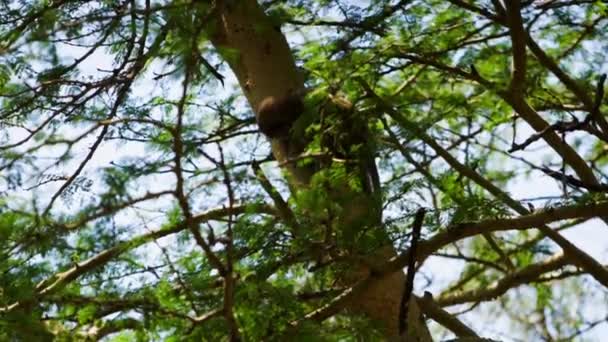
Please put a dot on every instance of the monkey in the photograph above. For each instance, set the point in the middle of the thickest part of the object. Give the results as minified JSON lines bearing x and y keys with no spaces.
{"x":349,"y":129}
{"x":275,"y":115}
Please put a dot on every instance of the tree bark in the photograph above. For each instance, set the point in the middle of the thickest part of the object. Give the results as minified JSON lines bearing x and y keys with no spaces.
{"x":259,"y":55}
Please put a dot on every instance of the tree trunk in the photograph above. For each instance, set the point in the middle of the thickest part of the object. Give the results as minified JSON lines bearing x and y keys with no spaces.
{"x":262,"y":61}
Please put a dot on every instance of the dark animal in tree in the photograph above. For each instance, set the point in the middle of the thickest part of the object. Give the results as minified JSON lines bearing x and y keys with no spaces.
{"x":275,"y":115}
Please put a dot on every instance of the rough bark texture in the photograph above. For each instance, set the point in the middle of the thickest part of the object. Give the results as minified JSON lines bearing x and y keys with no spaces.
{"x":260,"y":56}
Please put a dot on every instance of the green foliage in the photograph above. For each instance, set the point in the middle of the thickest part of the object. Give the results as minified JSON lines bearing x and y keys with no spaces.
{"x":117,"y":143}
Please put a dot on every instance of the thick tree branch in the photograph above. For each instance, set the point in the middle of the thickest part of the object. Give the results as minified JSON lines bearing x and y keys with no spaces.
{"x":518,"y":44}
{"x":523,"y":108}
{"x":444,"y":318}
{"x":449,"y":236}
{"x":578,"y":256}
{"x":267,"y":73}
{"x":570,"y":83}
{"x":520,"y":277}
{"x":465,"y":230}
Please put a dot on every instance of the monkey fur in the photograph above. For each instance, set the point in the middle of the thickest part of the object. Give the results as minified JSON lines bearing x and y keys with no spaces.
{"x":275,"y":115}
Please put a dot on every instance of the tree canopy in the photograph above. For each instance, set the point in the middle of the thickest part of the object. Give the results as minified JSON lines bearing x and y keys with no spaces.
{"x":462,"y":142}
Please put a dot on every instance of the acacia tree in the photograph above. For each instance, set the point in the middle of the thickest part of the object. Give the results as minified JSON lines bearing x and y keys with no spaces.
{"x":146,"y":196}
